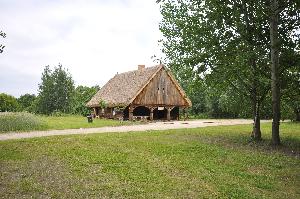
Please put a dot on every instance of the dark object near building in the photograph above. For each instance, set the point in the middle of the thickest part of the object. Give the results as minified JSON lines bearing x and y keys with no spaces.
{"x":90,"y":118}
{"x":144,"y":94}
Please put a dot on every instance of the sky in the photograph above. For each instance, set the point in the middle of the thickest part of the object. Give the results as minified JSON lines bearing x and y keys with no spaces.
{"x":93,"y":39}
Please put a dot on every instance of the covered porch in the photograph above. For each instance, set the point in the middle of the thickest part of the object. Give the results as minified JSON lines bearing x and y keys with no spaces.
{"x":151,"y":113}
{"x":140,"y":113}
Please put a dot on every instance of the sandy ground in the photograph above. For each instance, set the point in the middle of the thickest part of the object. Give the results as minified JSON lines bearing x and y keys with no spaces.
{"x":142,"y":127}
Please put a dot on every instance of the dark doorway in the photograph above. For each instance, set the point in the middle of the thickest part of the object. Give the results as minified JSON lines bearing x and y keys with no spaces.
{"x":160,"y":114}
{"x":126,"y":113}
{"x":175,"y":113}
{"x":141,"y":111}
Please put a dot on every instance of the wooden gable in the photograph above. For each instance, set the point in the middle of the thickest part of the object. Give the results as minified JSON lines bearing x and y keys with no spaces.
{"x":161,"y":90}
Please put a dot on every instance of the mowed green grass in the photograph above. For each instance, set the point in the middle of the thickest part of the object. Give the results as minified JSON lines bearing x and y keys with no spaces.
{"x":211,"y":162}
{"x":10,"y":122}
{"x":78,"y":121}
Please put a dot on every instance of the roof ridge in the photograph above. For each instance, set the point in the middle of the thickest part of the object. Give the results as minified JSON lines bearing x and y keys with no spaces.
{"x":146,"y":68}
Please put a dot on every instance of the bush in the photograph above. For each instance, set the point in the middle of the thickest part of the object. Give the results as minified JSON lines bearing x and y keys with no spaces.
{"x":56,"y":91}
{"x":8,"y":103}
{"x":26,"y":101}
{"x":20,"y":121}
{"x":83,"y":94}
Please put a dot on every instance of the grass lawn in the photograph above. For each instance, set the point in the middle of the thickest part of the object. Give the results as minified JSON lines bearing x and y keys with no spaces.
{"x":77,"y":121}
{"x":29,"y":122}
{"x":211,"y":162}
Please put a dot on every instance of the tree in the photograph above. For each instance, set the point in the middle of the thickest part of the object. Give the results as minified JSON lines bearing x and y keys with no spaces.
{"x":274,"y":71}
{"x":227,"y":43}
{"x":26,"y":101}
{"x":45,"y":100}
{"x":56,"y":91}
{"x":2,"y":34}
{"x":290,"y":84}
{"x":82,"y":95}
{"x":194,"y":86}
{"x":279,"y":12}
{"x":219,"y":43}
{"x":8,"y":103}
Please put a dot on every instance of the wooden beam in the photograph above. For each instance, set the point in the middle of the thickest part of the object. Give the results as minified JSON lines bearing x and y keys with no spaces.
{"x":94,"y":110}
{"x":151,"y":113}
{"x":169,"y":114}
{"x":130,"y":110}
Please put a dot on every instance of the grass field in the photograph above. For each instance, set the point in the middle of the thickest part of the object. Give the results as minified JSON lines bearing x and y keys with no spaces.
{"x":77,"y":121}
{"x":29,"y":122}
{"x":211,"y":162}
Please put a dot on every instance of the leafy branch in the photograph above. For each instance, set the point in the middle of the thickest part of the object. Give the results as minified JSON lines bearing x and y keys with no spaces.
{"x":2,"y":34}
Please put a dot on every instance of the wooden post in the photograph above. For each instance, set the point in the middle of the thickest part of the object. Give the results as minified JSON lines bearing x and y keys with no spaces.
{"x":169,"y":113}
{"x":94,"y":112}
{"x":151,"y":113}
{"x":130,"y":109}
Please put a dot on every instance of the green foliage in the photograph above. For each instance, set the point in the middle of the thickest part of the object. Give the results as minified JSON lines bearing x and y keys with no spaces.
{"x":8,"y":103}
{"x":213,"y":43}
{"x":20,"y":121}
{"x":82,"y":95}
{"x":290,"y":90}
{"x":26,"y":101}
{"x":226,"y":44}
{"x":197,"y":91}
{"x":56,"y":91}
{"x":211,"y":162}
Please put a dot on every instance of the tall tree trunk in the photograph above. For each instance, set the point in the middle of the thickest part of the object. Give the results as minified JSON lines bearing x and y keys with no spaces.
{"x":256,"y":132}
{"x":274,"y":71}
{"x":297,"y":113}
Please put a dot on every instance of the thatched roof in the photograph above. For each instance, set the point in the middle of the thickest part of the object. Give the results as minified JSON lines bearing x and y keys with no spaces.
{"x":123,"y":88}
{"x":119,"y":90}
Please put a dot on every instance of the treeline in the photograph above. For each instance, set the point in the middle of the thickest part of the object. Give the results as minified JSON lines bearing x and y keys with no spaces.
{"x":210,"y":102}
{"x":57,"y":95}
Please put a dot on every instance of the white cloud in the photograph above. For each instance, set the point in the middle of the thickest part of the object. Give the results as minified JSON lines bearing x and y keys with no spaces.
{"x":93,"y":40}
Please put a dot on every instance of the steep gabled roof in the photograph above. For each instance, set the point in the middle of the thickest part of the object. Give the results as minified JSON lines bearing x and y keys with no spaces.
{"x":181,"y":91}
{"x":123,"y":88}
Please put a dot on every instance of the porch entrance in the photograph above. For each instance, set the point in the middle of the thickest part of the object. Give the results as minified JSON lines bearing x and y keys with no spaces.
{"x":160,"y":113}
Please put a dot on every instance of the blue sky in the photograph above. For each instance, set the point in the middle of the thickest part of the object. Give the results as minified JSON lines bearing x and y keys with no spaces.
{"x":93,"y":39}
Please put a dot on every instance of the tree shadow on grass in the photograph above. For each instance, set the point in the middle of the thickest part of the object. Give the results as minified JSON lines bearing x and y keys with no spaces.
{"x":289,"y":145}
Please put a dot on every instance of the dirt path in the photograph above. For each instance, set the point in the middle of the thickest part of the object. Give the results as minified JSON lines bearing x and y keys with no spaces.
{"x":143,"y":127}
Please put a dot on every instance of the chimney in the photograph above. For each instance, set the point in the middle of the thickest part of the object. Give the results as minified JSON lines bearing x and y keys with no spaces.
{"x":141,"y":67}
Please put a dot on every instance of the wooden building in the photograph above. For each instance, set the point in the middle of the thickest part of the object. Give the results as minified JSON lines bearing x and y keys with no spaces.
{"x":145,"y":94}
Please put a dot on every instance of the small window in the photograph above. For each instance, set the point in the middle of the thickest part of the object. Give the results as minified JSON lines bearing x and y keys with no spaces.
{"x":158,"y":88}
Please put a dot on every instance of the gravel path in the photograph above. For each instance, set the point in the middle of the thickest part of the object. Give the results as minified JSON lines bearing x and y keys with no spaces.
{"x":143,"y":127}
